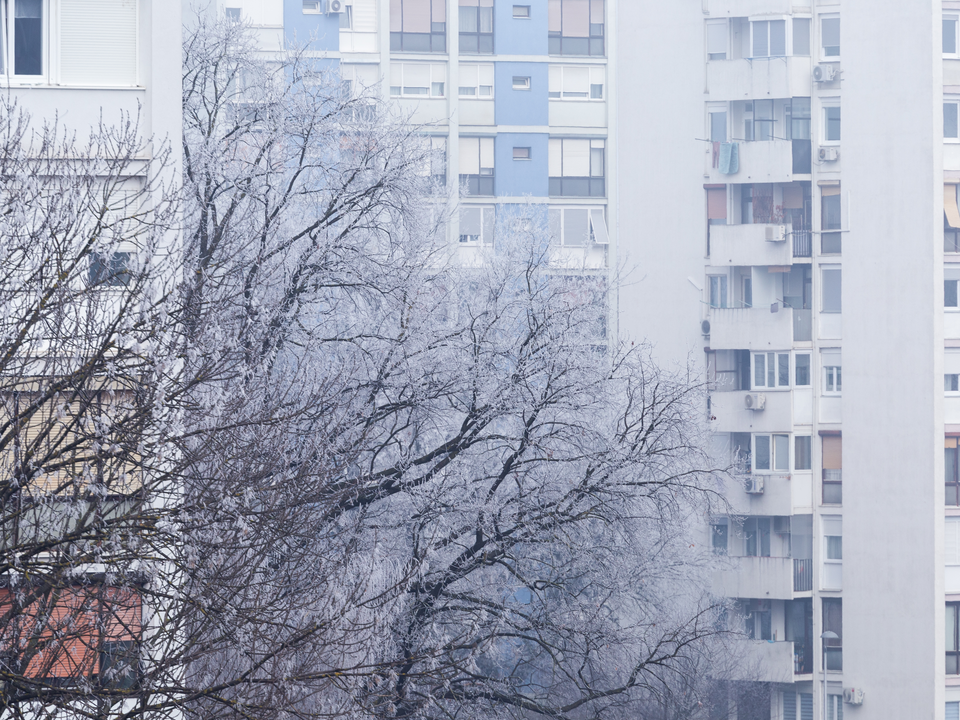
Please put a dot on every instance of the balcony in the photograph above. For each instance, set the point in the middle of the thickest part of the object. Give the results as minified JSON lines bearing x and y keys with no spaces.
{"x":759,"y":78}
{"x":747,"y":8}
{"x":775,"y":500}
{"x":729,"y":413}
{"x":732,"y":245}
{"x":765,"y":661}
{"x":770,"y":578}
{"x":773,"y":161}
{"x":751,"y":328}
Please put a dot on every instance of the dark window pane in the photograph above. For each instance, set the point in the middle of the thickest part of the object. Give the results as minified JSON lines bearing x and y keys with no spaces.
{"x":950,"y":293}
{"x":950,"y":37}
{"x":832,"y":494}
{"x":469,"y":43}
{"x":485,"y":44}
{"x":28,"y":37}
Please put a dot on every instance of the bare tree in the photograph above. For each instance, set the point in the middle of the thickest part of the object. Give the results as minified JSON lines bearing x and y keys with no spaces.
{"x":302,"y":464}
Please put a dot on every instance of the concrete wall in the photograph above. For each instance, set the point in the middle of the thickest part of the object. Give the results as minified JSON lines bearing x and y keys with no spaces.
{"x":893,"y":603}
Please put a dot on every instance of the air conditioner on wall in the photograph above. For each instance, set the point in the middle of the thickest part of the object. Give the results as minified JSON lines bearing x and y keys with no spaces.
{"x":754,"y":401}
{"x":775,"y":233}
{"x":705,"y":328}
{"x":829,"y":154}
{"x":853,"y":696}
{"x":824,"y":73}
{"x":754,"y":485}
{"x":334,"y":6}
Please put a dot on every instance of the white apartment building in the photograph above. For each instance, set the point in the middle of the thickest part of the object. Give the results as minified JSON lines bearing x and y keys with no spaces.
{"x":789,"y":212}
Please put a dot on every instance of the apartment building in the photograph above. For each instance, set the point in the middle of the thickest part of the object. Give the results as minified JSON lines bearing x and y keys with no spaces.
{"x":81,"y":67}
{"x":515,"y":97}
{"x":793,"y":222}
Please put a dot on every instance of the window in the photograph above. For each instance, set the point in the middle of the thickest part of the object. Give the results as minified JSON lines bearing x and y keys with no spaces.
{"x":950,"y":293}
{"x":578,"y":226}
{"x":311,"y":7}
{"x":834,"y":707}
{"x":521,"y":11}
{"x":757,"y":621}
{"x":436,"y":162}
{"x":476,"y":225}
{"x":576,"y":27}
{"x":830,"y":362}
{"x":953,"y":642}
{"x":568,"y":82}
{"x":718,"y":37}
{"x":769,"y":38}
{"x":771,"y":453}
{"x":830,"y":36}
{"x":830,"y":242}
{"x":833,"y":622}
{"x":418,"y":26}
{"x":950,"y":35}
{"x":831,"y":290}
{"x":951,"y":218}
{"x":346,"y":18}
{"x":719,"y":536}
{"x":832,"y":447}
{"x":951,"y":383}
{"x":797,"y":706}
{"x":951,"y":471}
{"x":952,"y":711}
{"x":756,"y":537}
{"x":22,"y":24}
{"x":834,"y":547}
{"x":801,"y":370}
{"x":421,"y":80}
{"x":801,"y":36}
{"x":111,"y":271}
{"x":476,"y":165}
{"x":771,"y":370}
{"x":233,"y":14}
{"x":758,"y":121}
{"x":718,"y":126}
{"x":718,"y":290}
{"x":521,"y":153}
{"x":797,"y":114}
{"x":801,"y":452}
{"x":521,"y":82}
{"x":576,"y":167}
{"x":831,"y":123}
{"x":950,"y":127}
{"x":476,"y":26}
{"x":476,"y":81}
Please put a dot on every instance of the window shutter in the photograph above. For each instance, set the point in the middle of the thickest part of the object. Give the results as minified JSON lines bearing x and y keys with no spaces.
{"x":950,"y":209}
{"x":832,"y":452}
{"x":98,"y":42}
{"x":806,"y":706}
{"x":416,"y":16}
{"x":952,"y":711}
{"x":576,"y":158}
{"x":717,"y":203}
{"x":365,"y":16}
{"x":576,"y":18}
{"x":469,"y":156}
{"x":396,"y":15}
{"x":555,"y":86}
{"x":951,"y":541}
{"x":792,"y":197}
{"x":555,"y":163}
{"x":486,"y":153}
{"x":554,"y":19}
{"x":789,"y":706}
{"x":576,"y":80}
{"x":439,"y":11}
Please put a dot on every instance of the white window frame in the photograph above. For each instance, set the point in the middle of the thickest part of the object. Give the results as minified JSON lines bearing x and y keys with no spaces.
{"x":721,"y":29}
{"x":7,"y":28}
{"x":521,"y":82}
{"x":597,"y":233}
{"x":809,"y":369}
{"x":786,"y":36}
{"x":955,"y":19}
{"x":822,"y":52}
{"x":720,"y":283}
{"x":791,"y":34}
{"x":829,"y":103}
{"x":952,"y":308}
{"x":562,"y":83}
{"x":778,"y":463}
{"x":831,"y":372}
{"x":487,"y":215}
{"x":522,"y":152}
{"x":951,"y":384}
{"x":436,"y":72}
{"x":522,"y":9}
{"x":481,"y":81}
{"x":765,"y":359}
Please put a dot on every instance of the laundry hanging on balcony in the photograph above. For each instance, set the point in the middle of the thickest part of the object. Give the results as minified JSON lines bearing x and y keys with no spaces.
{"x":729,"y":158}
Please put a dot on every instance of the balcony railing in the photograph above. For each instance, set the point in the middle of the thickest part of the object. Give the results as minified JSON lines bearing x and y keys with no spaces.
{"x":802,"y":575}
{"x":802,"y":658}
{"x":802,"y":243}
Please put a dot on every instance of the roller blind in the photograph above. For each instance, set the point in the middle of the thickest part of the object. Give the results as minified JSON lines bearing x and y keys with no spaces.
{"x":951,"y":541}
{"x":717,"y":204}
{"x":951,"y":362}
{"x":950,"y":209}
{"x":486,"y":152}
{"x":576,"y":18}
{"x":469,"y":156}
{"x":832,"y":452}
{"x":828,"y":190}
{"x":553,"y":11}
{"x":576,"y":158}
{"x":953,"y":711}
{"x":416,"y":16}
{"x":98,"y":42}
{"x":792,"y":197}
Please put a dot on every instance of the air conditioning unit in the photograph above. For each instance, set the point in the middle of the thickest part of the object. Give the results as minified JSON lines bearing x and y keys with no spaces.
{"x":754,"y":485}
{"x":825,"y":73}
{"x":775,"y":233}
{"x":829,"y":154}
{"x":754,"y":401}
{"x":335,"y":7}
{"x":705,"y":328}
{"x":852,"y":696}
